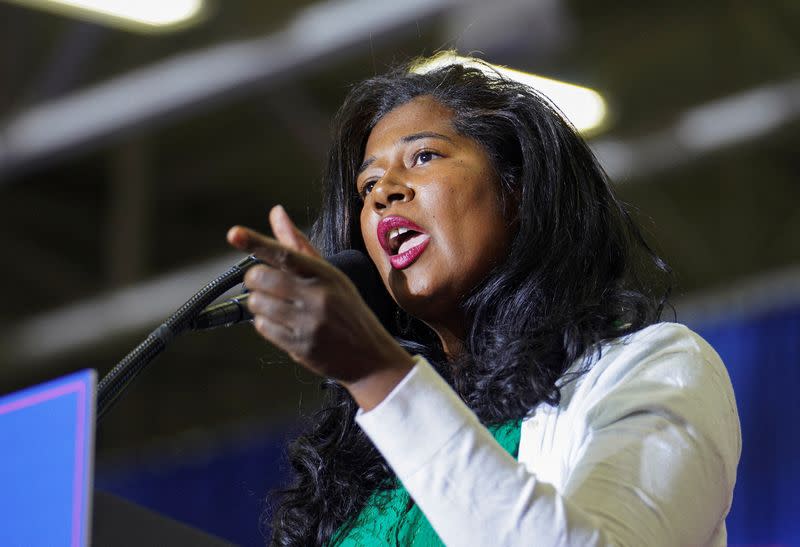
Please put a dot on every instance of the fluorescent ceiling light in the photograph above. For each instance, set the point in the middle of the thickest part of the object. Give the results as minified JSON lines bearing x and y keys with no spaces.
{"x":583,"y":107}
{"x":142,"y":15}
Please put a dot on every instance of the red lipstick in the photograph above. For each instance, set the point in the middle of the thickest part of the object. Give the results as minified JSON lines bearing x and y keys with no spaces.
{"x":402,"y":240}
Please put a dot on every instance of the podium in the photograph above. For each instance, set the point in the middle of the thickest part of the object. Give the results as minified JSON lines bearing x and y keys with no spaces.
{"x":46,"y":472}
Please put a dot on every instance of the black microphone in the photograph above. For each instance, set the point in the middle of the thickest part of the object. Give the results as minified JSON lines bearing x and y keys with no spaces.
{"x":354,"y":264}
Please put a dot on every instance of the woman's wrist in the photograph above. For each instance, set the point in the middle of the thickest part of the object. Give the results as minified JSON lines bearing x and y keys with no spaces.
{"x":369,"y":390}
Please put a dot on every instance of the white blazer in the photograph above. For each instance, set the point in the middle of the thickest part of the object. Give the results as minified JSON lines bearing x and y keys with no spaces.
{"x":641,"y":451}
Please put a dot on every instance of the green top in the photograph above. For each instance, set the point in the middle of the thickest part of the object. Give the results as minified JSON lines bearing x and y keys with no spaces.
{"x":390,"y":518}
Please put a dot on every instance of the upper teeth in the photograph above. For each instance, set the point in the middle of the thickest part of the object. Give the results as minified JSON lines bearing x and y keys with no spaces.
{"x":394,"y":232}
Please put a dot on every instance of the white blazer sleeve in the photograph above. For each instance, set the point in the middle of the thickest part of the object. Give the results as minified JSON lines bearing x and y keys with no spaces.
{"x":650,"y":456}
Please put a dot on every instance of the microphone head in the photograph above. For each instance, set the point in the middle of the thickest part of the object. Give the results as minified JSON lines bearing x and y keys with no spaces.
{"x":362,"y":272}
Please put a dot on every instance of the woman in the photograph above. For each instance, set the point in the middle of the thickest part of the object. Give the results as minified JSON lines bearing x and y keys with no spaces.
{"x":528,"y":395}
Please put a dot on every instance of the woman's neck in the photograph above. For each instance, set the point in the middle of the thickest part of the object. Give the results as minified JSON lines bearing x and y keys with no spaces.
{"x":452,"y":340}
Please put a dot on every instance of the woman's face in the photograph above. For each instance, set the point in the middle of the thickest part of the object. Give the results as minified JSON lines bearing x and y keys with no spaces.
{"x":432,"y":220}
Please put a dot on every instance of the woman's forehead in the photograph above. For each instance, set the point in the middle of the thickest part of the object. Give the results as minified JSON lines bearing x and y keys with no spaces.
{"x":418,"y":115}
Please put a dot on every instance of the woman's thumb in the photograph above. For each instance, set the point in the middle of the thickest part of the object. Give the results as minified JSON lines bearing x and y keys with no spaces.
{"x":288,"y":234}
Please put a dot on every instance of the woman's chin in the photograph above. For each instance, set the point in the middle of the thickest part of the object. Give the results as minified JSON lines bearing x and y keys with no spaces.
{"x":421,"y":302}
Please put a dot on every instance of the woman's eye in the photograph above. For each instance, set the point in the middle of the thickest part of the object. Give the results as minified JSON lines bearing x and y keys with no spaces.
{"x":367,"y":188}
{"x":424,"y":156}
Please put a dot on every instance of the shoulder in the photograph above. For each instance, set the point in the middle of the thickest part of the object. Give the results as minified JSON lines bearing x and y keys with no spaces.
{"x":668,"y":354}
{"x":652,"y":420}
{"x":664,"y":370}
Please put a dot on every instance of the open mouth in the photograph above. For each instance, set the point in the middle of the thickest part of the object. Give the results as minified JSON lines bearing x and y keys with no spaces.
{"x":402,"y":239}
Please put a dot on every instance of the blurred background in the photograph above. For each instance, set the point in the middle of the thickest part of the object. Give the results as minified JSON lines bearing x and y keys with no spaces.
{"x":126,"y":151}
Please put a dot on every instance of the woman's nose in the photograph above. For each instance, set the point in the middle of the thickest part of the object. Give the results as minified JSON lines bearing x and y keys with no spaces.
{"x":389,"y":190}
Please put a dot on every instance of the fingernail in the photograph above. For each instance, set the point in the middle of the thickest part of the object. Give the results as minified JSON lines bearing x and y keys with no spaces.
{"x":251,"y":278}
{"x":231,"y":235}
{"x":254,"y":300}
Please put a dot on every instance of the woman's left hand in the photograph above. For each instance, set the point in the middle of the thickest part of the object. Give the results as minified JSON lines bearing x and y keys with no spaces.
{"x":311,"y":310}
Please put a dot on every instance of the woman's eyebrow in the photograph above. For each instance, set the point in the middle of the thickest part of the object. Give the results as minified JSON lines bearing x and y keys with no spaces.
{"x":406,"y":139}
{"x":367,"y":162}
{"x":425,"y":135}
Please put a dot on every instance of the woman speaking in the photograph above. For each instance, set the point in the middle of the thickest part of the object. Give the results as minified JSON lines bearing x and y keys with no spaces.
{"x":528,"y":394}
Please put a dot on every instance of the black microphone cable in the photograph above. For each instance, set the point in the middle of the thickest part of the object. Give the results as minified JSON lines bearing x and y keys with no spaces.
{"x":111,"y":386}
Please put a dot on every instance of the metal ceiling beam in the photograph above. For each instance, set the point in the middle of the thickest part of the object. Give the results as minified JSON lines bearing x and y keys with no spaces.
{"x":158,"y":94}
{"x":93,"y":320}
{"x":720,"y":124}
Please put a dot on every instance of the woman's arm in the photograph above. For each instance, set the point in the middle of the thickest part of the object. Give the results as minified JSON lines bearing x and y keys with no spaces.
{"x":648,"y":444}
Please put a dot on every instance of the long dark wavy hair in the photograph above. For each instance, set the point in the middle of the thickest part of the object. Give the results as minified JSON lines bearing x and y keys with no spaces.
{"x":579,"y":272}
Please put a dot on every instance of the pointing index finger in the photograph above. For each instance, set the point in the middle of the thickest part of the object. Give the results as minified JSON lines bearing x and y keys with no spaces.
{"x":271,"y":252}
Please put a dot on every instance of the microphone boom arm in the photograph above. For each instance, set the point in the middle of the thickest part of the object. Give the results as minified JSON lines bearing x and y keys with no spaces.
{"x":114,"y":383}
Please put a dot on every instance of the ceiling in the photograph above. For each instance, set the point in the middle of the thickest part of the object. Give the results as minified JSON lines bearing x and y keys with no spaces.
{"x":173,"y":138}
